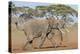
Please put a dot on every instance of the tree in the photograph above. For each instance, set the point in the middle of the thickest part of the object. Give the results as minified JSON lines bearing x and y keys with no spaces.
{"x":62,"y":11}
{"x":41,"y":10}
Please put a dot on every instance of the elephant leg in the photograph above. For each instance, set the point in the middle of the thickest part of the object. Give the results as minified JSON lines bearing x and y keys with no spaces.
{"x":61,"y":34}
{"x":27,"y":42}
{"x":54,"y":44}
{"x":51,"y":40}
{"x":42,"y":42}
{"x":44,"y":38}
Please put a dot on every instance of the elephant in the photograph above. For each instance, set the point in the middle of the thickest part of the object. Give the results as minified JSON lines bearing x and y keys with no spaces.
{"x":35,"y":28}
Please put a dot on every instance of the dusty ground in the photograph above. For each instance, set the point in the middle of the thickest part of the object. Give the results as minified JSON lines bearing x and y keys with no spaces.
{"x":19,"y":39}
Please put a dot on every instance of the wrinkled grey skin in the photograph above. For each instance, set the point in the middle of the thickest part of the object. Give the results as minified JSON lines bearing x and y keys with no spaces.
{"x":35,"y":28}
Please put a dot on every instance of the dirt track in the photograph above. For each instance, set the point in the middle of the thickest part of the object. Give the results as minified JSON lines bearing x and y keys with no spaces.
{"x":19,"y":39}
